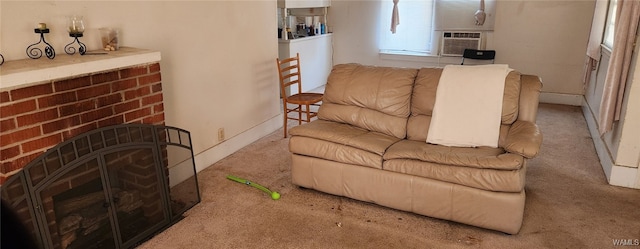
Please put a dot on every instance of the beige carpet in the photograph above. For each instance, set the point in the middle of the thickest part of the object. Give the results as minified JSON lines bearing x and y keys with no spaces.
{"x":569,"y":204}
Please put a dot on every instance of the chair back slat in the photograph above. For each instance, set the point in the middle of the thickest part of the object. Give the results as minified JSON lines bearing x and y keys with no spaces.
{"x":289,"y":74}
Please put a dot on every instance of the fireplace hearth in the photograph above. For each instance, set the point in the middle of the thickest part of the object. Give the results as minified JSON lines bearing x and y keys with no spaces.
{"x":112,"y":187}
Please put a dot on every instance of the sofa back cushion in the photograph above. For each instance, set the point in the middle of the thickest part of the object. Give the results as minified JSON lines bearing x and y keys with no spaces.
{"x":373,"y":98}
{"x":424,"y":95}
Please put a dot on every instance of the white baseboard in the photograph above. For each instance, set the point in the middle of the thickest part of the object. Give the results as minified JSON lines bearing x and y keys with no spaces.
{"x":625,"y":177}
{"x":561,"y":98}
{"x":216,"y":153}
{"x":601,"y":149}
{"x":183,"y":170}
{"x":616,"y":175}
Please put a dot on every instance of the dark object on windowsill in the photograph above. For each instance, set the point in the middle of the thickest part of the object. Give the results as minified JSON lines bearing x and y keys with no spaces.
{"x":475,"y":54}
{"x":1,"y":59}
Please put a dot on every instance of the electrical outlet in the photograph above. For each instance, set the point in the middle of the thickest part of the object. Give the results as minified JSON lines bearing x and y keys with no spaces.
{"x":220,"y":134}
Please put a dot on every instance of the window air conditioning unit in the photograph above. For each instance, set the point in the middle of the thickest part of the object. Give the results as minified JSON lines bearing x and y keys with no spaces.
{"x":454,"y":43}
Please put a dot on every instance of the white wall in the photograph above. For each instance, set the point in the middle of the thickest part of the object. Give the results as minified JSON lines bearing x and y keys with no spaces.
{"x":217,"y":56}
{"x":541,"y":37}
{"x":546,"y":38}
{"x":629,"y":149}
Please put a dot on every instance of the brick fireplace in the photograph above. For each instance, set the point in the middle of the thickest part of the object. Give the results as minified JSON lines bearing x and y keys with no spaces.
{"x":35,"y":116}
{"x":85,"y":158}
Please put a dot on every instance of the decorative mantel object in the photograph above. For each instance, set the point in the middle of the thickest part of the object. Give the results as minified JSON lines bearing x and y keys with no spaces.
{"x":109,"y":38}
{"x":34,"y":52}
{"x":75,"y":26}
{"x":1,"y":59}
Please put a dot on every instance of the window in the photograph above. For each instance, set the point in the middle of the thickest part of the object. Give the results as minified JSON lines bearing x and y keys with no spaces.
{"x":414,"y":34}
{"x":610,"y":25}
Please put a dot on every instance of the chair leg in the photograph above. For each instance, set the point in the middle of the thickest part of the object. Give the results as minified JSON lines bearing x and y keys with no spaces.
{"x":308,"y":114}
{"x":299,"y":114}
{"x":285,"y":123}
{"x":286,"y":115}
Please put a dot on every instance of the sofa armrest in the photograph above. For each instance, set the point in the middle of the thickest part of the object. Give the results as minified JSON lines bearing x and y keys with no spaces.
{"x":529,"y":97}
{"x":524,"y":138}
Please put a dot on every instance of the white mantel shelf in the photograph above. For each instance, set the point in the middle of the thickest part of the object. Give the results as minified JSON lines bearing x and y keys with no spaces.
{"x":27,"y":72}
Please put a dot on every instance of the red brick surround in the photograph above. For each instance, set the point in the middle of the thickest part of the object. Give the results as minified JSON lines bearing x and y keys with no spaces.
{"x":36,"y":118}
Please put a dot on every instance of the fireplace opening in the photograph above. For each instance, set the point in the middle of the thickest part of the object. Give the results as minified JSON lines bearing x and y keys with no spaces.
{"x":79,"y":216}
{"x":109,"y":188}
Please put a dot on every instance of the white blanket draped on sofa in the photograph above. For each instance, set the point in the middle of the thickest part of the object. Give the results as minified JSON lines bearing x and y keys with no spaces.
{"x":468,"y":106}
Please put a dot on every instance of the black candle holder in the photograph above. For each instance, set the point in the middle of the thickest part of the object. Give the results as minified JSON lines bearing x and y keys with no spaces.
{"x":70,"y":49}
{"x":35,"y":52}
{"x":1,"y":59}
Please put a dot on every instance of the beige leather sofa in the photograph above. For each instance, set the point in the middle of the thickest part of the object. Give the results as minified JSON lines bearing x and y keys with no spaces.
{"x":369,"y":144}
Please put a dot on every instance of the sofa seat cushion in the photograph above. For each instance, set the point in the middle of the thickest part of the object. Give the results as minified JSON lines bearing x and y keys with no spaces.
{"x":485,"y":168}
{"x":340,"y":142}
{"x":511,"y":181}
{"x":478,"y":157}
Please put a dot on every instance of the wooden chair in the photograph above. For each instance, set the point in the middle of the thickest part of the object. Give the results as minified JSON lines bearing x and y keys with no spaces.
{"x":289,"y":73}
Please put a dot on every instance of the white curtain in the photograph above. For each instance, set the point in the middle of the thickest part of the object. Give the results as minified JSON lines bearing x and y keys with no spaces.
{"x":395,"y":17}
{"x":626,"y":25}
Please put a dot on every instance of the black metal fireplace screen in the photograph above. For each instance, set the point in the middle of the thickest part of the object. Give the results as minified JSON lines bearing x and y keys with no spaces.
{"x":113,"y":187}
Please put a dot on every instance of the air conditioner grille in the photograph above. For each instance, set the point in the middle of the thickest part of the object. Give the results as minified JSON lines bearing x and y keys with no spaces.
{"x":466,"y":35}
{"x":454,"y":43}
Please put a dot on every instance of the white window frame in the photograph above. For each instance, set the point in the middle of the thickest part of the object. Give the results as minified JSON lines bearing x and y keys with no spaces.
{"x":610,"y":25}
{"x":405,"y":29}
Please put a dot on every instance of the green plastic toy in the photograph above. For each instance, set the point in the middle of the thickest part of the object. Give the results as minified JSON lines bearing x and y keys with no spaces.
{"x":274,"y":195}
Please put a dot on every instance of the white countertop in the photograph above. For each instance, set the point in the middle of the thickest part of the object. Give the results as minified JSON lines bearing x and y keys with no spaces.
{"x":304,"y":38}
{"x":26,"y":72}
